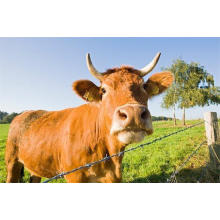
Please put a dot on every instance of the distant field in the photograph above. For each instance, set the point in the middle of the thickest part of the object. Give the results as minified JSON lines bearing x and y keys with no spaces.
{"x":153,"y":163}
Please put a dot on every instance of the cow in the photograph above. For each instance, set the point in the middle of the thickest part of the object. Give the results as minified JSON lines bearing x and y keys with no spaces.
{"x":116,"y":114}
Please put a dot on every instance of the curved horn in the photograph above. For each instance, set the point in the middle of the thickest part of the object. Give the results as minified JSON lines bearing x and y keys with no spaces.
{"x":144,"y":71}
{"x":92,"y":69}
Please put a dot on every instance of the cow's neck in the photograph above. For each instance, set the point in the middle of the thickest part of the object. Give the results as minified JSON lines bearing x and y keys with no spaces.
{"x":93,"y":134}
{"x":103,"y":136}
{"x":111,"y":144}
{"x":103,"y":143}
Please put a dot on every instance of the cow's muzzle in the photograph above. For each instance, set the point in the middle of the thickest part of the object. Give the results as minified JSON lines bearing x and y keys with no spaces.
{"x":131,"y":123}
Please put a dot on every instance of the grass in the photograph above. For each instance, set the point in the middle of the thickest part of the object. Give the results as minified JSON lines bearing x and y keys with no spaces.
{"x":155,"y":162}
{"x":3,"y":137}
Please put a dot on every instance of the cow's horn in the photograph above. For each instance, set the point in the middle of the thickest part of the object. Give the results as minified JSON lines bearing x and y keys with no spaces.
{"x":150,"y":66}
{"x":92,"y":69}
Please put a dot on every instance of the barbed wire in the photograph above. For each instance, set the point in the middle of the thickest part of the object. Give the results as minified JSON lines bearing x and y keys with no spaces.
{"x":173,"y":176}
{"x":88,"y":165}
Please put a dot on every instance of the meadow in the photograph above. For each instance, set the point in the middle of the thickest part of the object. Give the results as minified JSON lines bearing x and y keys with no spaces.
{"x":153,"y":163}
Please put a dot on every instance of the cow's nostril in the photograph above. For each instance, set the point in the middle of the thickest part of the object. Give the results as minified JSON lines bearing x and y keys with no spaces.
{"x":122,"y":115}
{"x":144,"y":114}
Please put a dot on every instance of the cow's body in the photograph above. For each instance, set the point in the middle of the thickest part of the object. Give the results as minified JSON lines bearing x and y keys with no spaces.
{"x":51,"y":142}
{"x":48,"y":143}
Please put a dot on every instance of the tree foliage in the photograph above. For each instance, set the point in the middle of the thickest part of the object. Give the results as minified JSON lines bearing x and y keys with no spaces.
{"x":2,"y":115}
{"x":7,"y":118}
{"x":193,"y":86}
{"x":160,"y":118}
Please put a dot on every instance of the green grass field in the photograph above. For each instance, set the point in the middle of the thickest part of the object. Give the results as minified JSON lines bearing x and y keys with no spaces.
{"x":155,"y":162}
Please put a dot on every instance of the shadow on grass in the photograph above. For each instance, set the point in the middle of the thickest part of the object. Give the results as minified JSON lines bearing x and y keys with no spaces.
{"x":155,"y":178}
{"x":206,"y":174}
{"x":198,"y":175}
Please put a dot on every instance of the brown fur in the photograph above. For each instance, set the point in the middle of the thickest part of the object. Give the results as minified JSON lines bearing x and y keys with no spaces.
{"x":48,"y":143}
{"x":122,"y":69}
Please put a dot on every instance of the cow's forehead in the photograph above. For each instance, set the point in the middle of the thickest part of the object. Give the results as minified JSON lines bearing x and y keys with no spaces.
{"x":122,"y":76}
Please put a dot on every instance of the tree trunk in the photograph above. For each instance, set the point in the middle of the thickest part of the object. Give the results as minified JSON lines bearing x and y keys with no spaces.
{"x":174,"y":116}
{"x":183,"y":120}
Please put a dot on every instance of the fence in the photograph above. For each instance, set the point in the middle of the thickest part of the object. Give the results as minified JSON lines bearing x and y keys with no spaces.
{"x":212,"y":135}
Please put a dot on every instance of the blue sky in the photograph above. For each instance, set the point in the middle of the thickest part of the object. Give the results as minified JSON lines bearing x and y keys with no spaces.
{"x":37,"y":73}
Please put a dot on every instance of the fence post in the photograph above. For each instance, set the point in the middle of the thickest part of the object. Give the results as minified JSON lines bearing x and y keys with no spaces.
{"x":212,"y":134}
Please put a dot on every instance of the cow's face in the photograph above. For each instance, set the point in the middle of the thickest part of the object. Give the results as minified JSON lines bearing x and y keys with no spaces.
{"x":123,"y":97}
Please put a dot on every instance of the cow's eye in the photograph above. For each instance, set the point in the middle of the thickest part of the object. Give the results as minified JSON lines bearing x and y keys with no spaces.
{"x":145,"y":86}
{"x":103,"y":90}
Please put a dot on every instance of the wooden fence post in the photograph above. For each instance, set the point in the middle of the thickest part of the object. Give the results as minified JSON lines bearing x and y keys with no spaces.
{"x":213,"y":139}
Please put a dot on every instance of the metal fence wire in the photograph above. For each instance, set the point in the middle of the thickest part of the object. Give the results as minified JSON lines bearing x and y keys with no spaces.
{"x":88,"y":165}
{"x":172,"y":178}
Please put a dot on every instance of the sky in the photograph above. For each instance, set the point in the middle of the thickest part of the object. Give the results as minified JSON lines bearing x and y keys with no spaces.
{"x":37,"y":73}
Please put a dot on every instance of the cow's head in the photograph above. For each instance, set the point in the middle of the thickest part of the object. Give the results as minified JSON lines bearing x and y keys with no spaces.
{"x":123,"y":96}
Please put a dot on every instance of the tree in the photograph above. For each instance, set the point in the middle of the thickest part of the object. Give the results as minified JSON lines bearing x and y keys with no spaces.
{"x":2,"y":115}
{"x":7,"y":119}
{"x":170,"y":100}
{"x":172,"y":94}
{"x":193,"y":86}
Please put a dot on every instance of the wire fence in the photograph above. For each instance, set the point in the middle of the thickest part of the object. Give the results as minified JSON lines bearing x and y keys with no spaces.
{"x":172,"y":177}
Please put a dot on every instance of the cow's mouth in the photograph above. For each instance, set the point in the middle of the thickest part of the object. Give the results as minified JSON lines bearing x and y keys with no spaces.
{"x":128,"y":136}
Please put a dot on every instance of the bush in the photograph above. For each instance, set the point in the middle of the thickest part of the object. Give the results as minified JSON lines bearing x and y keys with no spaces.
{"x":161,"y":118}
{"x":7,"y":119}
{"x":2,"y":115}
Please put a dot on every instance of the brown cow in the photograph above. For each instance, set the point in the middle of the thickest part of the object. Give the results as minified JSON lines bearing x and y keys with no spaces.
{"x":47,"y":143}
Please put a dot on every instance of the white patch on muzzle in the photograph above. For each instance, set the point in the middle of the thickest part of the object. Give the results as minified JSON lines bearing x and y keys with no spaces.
{"x":128,"y":137}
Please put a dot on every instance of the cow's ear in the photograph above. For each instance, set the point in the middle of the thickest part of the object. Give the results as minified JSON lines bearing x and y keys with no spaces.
{"x":87,"y":90}
{"x":158,"y":83}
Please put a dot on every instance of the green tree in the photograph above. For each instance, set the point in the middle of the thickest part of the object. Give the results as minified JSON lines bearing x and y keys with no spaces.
{"x":170,"y":100}
{"x":2,"y":115}
{"x":193,"y":86}
{"x":8,"y":118}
